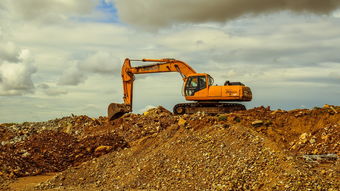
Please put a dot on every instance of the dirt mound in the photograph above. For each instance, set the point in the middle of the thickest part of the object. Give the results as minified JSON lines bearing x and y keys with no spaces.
{"x":257,"y":149}
{"x":5,"y":134}
{"x":51,"y":151}
{"x":248,"y":150}
{"x":11,"y":133}
{"x":193,"y":160}
{"x":302,"y":131}
{"x":134,"y":126}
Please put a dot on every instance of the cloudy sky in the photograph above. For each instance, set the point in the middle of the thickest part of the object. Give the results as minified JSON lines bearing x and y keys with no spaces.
{"x":59,"y":57}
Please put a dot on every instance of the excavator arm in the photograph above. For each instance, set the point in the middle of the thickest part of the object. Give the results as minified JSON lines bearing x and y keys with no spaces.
{"x":159,"y":65}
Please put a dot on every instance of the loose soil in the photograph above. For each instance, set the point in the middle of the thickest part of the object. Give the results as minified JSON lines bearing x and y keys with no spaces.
{"x":257,"y":149}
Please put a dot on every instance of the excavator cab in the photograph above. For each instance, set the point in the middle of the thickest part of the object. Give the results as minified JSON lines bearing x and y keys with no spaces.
{"x":197,"y":82}
{"x":199,"y":87}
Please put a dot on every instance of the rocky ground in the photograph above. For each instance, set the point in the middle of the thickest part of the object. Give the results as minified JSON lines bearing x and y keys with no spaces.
{"x":257,"y":149}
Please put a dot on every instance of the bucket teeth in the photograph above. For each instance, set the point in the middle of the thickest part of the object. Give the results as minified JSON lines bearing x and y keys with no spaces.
{"x":116,"y":110}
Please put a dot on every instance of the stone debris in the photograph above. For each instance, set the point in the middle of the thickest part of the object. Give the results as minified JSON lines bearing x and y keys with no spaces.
{"x":11,"y":133}
{"x":330,"y":107}
{"x":51,"y":151}
{"x":325,"y":157}
{"x":257,"y":123}
{"x":257,"y":149}
{"x":181,"y":122}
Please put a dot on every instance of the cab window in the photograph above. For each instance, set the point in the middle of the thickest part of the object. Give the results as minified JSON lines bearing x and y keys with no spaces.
{"x":194,"y":84}
{"x":211,"y":81}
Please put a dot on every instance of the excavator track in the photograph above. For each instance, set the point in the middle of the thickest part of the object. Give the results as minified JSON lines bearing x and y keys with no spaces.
{"x":207,"y":107}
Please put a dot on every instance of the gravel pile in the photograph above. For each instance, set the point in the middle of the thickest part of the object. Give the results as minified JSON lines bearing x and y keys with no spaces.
{"x":257,"y":149}
{"x":249,"y":150}
{"x":51,"y":151}
{"x":11,"y":133}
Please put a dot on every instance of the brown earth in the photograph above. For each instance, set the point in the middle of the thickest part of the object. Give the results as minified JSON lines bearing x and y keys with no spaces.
{"x":257,"y":149}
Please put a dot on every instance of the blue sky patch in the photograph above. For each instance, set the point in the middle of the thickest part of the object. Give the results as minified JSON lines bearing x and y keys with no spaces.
{"x":110,"y":11}
{"x":107,"y":14}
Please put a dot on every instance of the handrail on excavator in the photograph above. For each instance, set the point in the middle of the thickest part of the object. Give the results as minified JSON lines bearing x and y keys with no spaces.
{"x":153,"y":60}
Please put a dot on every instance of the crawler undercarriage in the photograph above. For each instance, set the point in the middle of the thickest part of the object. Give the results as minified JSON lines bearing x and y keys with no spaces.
{"x":207,"y":107}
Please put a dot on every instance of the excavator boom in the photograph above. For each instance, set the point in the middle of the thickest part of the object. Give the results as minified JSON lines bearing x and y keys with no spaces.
{"x":162,"y":65}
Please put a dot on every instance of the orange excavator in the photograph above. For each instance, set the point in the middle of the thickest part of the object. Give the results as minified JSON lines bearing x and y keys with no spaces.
{"x":197,"y":87}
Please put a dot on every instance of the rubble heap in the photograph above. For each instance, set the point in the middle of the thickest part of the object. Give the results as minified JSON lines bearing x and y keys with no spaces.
{"x":257,"y":149}
{"x":51,"y":151}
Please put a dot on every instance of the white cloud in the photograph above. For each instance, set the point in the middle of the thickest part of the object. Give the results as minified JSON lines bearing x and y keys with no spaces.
{"x":15,"y":79}
{"x":51,"y":91}
{"x":100,"y":62}
{"x":336,"y":14}
{"x":96,"y":63}
{"x":72,"y":77}
{"x":9,"y":52}
{"x":335,"y":75}
{"x":55,"y":92}
{"x":16,"y":70}
{"x":46,"y":11}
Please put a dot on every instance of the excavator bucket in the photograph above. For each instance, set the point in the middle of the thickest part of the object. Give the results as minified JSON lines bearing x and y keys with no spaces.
{"x":116,"y":110}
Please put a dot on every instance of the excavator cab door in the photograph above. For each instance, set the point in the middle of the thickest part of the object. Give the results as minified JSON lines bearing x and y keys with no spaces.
{"x":194,"y":84}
